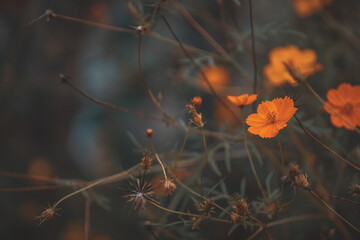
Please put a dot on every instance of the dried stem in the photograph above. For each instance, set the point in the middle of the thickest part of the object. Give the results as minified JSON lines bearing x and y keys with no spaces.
{"x":87,"y":215}
{"x":324,"y":146}
{"x":333,"y":211}
{"x":253,"y":45}
{"x":282,"y":168}
{"x":157,"y":104}
{"x":67,"y":81}
{"x":205,"y":163}
{"x":250,"y":159}
{"x":221,"y":101}
{"x":179,"y":155}
{"x":161,"y":164}
{"x":105,"y":180}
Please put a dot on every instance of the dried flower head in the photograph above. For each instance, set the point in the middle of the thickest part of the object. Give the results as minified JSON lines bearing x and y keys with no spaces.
{"x":240,"y":206}
{"x":169,"y":186}
{"x":301,"y":180}
{"x":140,"y":192}
{"x":301,"y":62}
{"x":196,"y":101}
{"x":47,"y":214}
{"x":354,"y":189}
{"x":207,"y":207}
{"x":293,"y":171}
{"x":345,"y":101}
{"x":149,"y":132}
{"x":196,"y":118}
{"x":146,"y":161}
{"x":242,"y":100}
{"x":271,"y":117}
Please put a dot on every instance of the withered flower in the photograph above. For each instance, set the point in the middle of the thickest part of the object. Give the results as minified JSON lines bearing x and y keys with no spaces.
{"x":207,"y":207}
{"x":140,"y":192}
{"x":47,"y":214}
{"x":301,"y":180}
{"x":196,"y":118}
{"x":240,"y":206}
{"x":169,"y":186}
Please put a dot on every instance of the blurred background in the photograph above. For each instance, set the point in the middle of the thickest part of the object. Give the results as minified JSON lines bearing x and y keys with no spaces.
{"x":48,"y":129}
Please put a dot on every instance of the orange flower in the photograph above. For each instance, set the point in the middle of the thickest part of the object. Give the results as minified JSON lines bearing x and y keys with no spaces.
{"x":218,"y":77}
{"x":271,"y":117}
{"x":242,"y":100}
{"x":304,"y":8}
{"x":300,"y":61}
{"x":345,"y":100}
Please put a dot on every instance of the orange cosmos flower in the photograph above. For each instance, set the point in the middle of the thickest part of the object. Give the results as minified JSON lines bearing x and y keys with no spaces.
{"x":301,"y":61}
{"x":242,"y":100}
{"x":271,"y":117}
{"x":218,"y":77}
{"x":345,"y":100}
{"x":305,"y":8}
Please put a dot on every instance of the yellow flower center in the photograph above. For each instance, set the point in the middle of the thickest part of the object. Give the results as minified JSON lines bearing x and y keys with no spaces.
{"x":347,"y":109}
{"x":271,"y":116}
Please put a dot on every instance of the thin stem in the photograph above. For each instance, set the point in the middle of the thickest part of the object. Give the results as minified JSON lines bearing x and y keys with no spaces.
{"x":324,"y":146}
{"x":205,"y":163}
{"x":179,"y":155}
{"x":201,"y":30}
{"x":263,"y":225}
{"x":333,"y":211}
{"x":292,"y":200}
{"x":282,"y":168}
{"x":103,"y":26}
{"x":343,"y":199}
{"x":37,"y":188}
{"x":105,"y":180}
{"x":162,"y":165}
{"x":173,"y":211}
{"x":87,"y":216}
{"x":67,"y":81}
{"x":250,"y":158}
{"x":157,"y":104}
{"x":316,"y":95}
{"x":200,"y":196}
{"x":253,"y":45}
{"x":171,"y":122}
{"x":221,"y":101}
